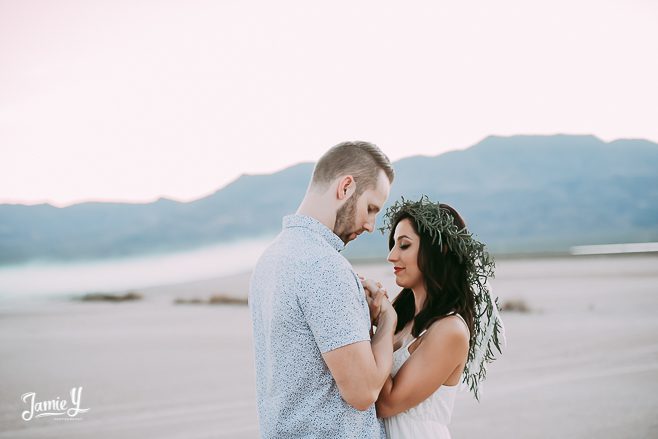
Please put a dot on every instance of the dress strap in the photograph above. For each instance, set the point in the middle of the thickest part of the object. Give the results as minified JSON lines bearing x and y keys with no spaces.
{"x":413,"y":339}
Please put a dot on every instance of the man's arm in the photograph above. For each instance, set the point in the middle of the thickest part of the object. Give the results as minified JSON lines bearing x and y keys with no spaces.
{"x":361,"y":369}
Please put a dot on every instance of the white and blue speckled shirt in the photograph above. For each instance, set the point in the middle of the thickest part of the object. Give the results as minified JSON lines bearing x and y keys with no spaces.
{"x":305,"y":300}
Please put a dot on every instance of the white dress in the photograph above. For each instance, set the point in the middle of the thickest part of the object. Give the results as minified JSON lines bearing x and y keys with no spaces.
{"x":430,"y":418}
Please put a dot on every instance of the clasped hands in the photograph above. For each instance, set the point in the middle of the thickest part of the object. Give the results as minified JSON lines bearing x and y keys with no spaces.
{"x":377,"y":298}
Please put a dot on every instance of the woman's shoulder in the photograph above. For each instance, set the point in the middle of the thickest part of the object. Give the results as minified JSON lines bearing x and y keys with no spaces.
{"x":451,"y":328}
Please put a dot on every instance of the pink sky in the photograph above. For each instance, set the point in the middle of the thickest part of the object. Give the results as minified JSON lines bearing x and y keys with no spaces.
{"x":132,"y":100}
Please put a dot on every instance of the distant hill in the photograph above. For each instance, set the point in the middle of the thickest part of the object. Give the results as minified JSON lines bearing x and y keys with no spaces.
{"x":518,"y":194}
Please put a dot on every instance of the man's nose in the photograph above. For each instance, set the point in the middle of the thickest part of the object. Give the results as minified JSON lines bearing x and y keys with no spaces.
{"x":368,"y":226}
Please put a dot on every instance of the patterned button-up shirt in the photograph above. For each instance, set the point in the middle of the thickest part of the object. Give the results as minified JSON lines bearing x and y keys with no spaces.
{"x":306,"y":300}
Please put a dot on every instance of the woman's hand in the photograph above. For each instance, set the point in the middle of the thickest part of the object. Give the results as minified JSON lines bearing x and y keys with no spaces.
{"x":375,"y":296}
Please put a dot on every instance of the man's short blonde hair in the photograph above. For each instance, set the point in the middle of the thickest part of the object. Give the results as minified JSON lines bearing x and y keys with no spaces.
{"x":362,"y":160}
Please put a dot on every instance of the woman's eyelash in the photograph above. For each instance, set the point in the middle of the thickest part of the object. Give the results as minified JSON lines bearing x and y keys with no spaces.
{"x":403,"y":246}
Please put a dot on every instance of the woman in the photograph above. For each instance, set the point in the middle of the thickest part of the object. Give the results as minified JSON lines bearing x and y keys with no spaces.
{"x":447,"y":321}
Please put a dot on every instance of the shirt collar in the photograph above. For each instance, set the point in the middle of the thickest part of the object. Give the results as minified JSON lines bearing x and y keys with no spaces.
{"x":316,"y":226}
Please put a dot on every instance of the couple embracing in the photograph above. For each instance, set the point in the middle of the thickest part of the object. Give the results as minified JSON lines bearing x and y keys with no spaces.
{"x":334,"y":357}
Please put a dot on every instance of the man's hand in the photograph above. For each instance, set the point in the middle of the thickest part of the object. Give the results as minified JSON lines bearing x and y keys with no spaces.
{"x":375,"y":296}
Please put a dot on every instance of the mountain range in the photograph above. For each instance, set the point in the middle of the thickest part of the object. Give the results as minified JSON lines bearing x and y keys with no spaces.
{"x":518,"y":194}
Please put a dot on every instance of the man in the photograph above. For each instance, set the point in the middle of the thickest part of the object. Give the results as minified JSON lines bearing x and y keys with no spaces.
{"x":318,"y":372}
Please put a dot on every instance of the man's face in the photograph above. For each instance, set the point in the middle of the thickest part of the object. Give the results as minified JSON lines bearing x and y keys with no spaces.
{"x":358,"y":214}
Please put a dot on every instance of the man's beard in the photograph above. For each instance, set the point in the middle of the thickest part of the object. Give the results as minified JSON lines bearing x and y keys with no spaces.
{"x":345,"y":219}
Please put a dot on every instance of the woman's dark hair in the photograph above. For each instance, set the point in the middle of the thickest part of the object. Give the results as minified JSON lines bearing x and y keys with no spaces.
{"x":445,"y":277}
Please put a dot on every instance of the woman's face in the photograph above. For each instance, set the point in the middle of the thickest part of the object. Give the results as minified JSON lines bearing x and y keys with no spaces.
{"x":404,"y":255}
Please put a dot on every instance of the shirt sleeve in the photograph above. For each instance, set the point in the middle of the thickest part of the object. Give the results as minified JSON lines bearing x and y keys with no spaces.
{"x":334,"y":306}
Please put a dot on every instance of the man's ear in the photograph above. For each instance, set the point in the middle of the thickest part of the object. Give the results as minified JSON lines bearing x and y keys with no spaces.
{"x":346,"y":187}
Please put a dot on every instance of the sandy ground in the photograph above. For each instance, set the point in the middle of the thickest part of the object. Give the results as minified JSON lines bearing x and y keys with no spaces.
{"x":583,"y":363}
